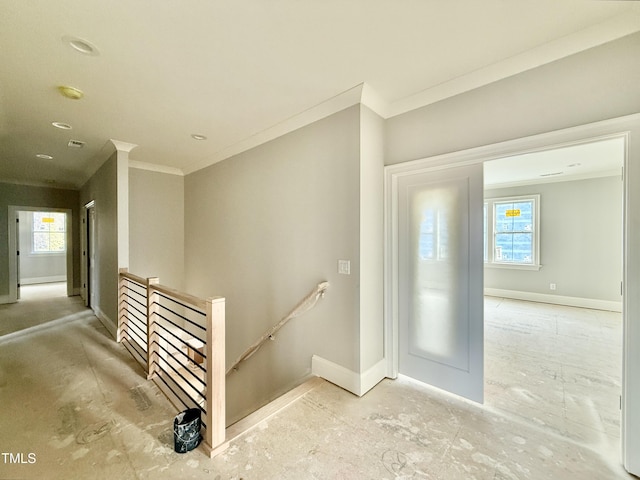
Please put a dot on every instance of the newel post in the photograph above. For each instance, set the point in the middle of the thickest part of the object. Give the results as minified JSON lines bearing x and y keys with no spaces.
{"x":123,"y":319}
{"x":153,"y":300}
{"x":215,"y":417}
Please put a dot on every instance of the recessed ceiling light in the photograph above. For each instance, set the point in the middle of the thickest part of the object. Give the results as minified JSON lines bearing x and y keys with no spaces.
{"x":44,"y":156}
{"x":71,"y":92}
{"x":81,"y":45}
{"x":196,"y":136}
{"x":63,"y":126}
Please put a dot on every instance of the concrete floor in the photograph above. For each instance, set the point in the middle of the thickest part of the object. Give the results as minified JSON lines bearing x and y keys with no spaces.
{"x":39,"y":304}
{"x":76,"y":405}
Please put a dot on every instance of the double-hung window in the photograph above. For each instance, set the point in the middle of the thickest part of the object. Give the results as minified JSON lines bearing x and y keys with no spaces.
{"x":512,"y":233}
{"x":48,"y":232}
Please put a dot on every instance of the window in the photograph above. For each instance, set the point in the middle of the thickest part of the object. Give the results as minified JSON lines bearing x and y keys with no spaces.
{"x":48,"y":232}
{"x":511,"y":232}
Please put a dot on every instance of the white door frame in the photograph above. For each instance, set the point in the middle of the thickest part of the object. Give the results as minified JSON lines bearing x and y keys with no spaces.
{"x":87,"y":283}
{"x":628,"y":128}
{"x":13,"y":256}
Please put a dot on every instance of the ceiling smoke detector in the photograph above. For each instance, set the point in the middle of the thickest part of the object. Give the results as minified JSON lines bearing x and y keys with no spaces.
{"x":75,"y":144}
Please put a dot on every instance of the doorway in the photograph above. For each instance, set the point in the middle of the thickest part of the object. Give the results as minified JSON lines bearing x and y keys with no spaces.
{"x":553,"y":322}
{"x":40,"y":248}
{"x":622,"y":128}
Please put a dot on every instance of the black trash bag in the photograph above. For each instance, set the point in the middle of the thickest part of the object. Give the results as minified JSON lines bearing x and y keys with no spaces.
{"x":186,"y":430}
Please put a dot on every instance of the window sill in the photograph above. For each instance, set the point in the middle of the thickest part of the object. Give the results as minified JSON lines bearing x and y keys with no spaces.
{"x":507,"y":266}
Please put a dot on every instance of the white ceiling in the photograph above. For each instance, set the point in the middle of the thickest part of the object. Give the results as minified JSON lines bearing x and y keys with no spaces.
{"x":573,"y":162}
{"x":240,"y":71}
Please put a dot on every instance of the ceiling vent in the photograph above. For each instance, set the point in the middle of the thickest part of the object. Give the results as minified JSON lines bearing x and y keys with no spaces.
{"x":75,"y":144}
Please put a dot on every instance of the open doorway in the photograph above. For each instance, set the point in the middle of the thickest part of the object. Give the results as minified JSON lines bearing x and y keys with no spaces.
{"x":625,"y":128}
{"x":40,"y":250}
{"x":42,"y":247}
{"x":40,"y":269}
{"x":553,"y":267}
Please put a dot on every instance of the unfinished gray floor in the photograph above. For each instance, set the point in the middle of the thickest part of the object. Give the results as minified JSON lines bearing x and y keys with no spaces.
{"x":40,"y":304}
{"x":79,"y":403}
{"x":558,"y":367}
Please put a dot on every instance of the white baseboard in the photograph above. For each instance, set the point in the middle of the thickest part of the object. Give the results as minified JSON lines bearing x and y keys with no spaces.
{"x":556,"y":299}
{"x":356,"y":383}
{"x":106,"y":321}
{"x":49,"y":279}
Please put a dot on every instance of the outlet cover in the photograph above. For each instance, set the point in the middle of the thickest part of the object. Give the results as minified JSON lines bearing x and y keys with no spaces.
{"x":344,"y":267}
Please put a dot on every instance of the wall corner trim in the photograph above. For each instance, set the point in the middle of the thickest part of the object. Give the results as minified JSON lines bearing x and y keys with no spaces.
{"x":359,"y":94}
{"x":6,"y":299}
{"x":356,"y":383}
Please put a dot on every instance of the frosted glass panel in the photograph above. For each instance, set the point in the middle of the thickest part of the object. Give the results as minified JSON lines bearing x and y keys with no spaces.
{"x":438,"y":232}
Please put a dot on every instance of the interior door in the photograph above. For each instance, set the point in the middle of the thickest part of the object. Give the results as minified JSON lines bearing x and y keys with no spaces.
{"x":440,"y":278}
{"x":91,"y":272}
{"x":18,"y":257}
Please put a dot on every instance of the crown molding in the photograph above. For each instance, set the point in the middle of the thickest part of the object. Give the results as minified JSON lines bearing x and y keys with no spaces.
{"x":313,"y":114}
{"x":590,"y":37}
{"x":154,"y":167}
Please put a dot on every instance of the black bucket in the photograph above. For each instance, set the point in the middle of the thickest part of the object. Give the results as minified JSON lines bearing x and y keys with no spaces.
{"x":186,"y":430}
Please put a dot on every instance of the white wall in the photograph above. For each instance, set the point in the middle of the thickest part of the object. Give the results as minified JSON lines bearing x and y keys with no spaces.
{"x":156,"y":226}
{"x":371,"y":235}
{"x":580,"y":242}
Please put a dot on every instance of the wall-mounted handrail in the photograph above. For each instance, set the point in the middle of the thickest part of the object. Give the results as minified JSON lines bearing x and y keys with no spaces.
{"x":181,"y":347}
{"x":306,"y":304}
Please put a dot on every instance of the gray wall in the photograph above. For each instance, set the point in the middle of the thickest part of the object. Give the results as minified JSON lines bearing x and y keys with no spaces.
{"x":262,"y":229}
{"x":156,"y":226}
{"x":102,"y":188}
{"x":36,"y":268}
{"x":580,"y":240}
{"x":27,"y":196}
{"x":597,"y":84}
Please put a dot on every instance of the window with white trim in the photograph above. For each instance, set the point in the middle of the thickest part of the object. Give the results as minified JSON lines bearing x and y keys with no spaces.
{"x":512,"y":233}
{"x":48,"y":232}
